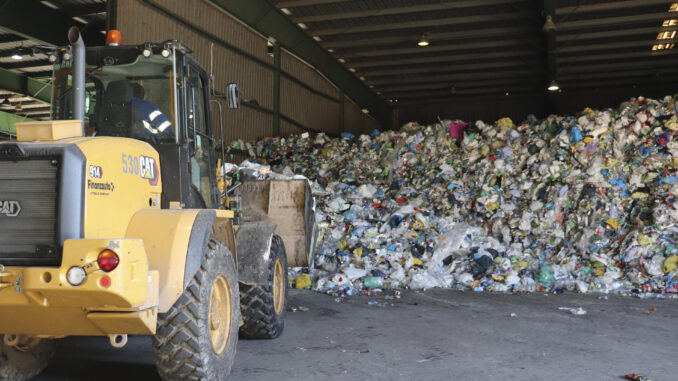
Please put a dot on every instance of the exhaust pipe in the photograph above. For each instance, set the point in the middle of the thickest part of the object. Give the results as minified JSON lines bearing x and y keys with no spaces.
{"x":75,"y":39}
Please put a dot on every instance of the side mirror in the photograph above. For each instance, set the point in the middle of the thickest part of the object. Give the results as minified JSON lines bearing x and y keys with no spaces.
{"x":233,"y":95}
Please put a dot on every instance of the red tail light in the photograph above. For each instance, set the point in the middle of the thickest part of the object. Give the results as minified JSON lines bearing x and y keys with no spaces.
{"x":108,"y":260}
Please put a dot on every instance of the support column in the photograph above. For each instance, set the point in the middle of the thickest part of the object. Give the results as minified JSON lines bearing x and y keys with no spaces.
{"x":276,"y":90}
{"x":342,"y":100}
{"x":550,"y":101}
{"x":111,"y":14}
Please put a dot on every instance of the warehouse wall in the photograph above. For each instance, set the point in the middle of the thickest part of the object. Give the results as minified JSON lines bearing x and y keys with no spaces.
{"x":314,"y":102}
{"x":489,"y":110}
{"x":518,"y":107}
{"x":308,"y":102}
{"x":610,"y":98}
{"x":356,"y":122}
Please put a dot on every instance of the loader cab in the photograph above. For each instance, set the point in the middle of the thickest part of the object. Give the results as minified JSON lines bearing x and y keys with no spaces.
{"x":156,"y":93}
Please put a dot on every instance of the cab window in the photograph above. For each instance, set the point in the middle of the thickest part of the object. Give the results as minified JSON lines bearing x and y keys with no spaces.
{"x":199,"y":136}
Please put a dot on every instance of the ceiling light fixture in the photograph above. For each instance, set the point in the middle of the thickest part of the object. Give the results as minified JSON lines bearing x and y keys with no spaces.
{"x":553,"y":86}
{"x":423,"y":40}
{"x":286,"y":11}
{"x":16,"y":55}
{"x":549,"y":26}
{"x":80,"y":19}
{"x":49,"y":4}
{"x":669,"y":34}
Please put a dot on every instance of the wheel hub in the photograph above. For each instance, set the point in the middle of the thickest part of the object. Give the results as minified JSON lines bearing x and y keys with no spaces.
{"x":220,"y":314}
{"x":278,"y":287}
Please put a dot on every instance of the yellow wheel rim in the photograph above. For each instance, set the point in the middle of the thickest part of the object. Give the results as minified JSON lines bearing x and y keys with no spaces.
{"x":278,"y":287}
{"x":220,"y":314}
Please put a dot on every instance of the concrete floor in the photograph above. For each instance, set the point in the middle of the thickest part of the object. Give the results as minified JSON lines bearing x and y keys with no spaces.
{"x":434,"y":335}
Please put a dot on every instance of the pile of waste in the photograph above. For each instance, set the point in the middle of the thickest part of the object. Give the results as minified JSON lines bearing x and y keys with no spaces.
{"x":582,"y":203}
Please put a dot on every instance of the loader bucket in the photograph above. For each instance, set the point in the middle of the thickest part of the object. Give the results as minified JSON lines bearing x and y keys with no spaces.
{"x":289,"y":205}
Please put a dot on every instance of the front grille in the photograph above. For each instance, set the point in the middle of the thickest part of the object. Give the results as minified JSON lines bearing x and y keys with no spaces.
{"x":28,"y":212}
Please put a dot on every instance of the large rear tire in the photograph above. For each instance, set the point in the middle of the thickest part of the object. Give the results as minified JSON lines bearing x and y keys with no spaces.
{"x":197,"y":338}
{"x":27,"y":361}
{"x":264,"y":307}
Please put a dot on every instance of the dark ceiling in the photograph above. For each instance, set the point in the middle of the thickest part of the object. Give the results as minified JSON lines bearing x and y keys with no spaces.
{"x":490,"y":47}
{"x":89,"y":15}
{"x":477,"y":48}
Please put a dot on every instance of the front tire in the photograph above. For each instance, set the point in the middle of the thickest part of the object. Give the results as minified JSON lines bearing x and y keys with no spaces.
{"x":27,"y":361}
{"x":264,"y":306}
{"x":196,"y":339}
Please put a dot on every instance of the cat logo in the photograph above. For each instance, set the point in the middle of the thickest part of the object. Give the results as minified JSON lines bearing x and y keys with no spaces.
{"x":10,"y":208}
{"x":148,"y":169}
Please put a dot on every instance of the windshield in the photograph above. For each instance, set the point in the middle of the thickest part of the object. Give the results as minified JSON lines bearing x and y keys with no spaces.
{"x":131,"y":99}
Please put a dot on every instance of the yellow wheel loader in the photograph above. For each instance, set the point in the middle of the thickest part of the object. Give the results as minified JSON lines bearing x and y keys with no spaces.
{"x":112,"y":224}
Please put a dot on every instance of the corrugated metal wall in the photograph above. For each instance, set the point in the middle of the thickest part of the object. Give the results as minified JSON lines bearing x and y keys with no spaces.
{"x":314,"y":102}
{"x":307,"y":100}
{"x":356,"y":121}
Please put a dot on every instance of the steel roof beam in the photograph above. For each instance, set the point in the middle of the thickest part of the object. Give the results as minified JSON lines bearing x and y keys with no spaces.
{"x":611,"y":6}
{"x":39,"y":74}
{"x":85,"y":9}
{"x":662,"y":72}
{"x":367,"y":66}
{"x":34,"y":21}
{"x":451,"y":68}
{"x":438,"y":77}
{"x":25,"y":65}
{"x":34,"y":108}
{"x":615,"y":66}
{"x":440,"y":6}
{"x":611,"y":33}
{"x":306,"y":3}
{"x":437,"y":22}
{"x":627,"y":55}
{"x":459,"y":86}
{"x":26,"y":101}
{"x":492,"y":44}
{"x":7,"y":38}
{"x":451,"y":80}
{"x":610,"y":21}
{"x":32,"y":112}
{"x":614,"y":45}
{"x":409,"y":38}
{"x":22,"y":84}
